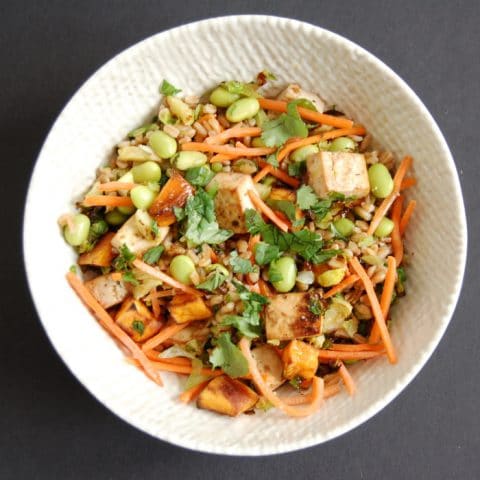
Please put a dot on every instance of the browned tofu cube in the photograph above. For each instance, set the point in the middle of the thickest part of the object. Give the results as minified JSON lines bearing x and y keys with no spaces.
{"x":137,"y":320}
{"x":187,"y":308}
{"x":299,"y":359}
{"x":269,"y":365}
{"x":288,"y":316}
{"x":232,"y":200}
{"x":227,"y":396}
{"x":107,"y":291}
{"x":340,"y":172}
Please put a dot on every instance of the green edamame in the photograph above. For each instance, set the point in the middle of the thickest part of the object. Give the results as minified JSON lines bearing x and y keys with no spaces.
{"x":301,"y":154}
{"x":344,"y":226}
{"x":181,"y":268}
{"x":257,"y":142}
{"x":381,"y":182}
{"x":147,"y":172}
{"x":78,"y":232}
{"x":263,"y":190}
{"x":130,"y":210}
{"x":385,"y":228}
{"x":242,"y":109}
{"x":343,"y":144}
{"x":126,"y":177}
{"x":245,"y":165}
{"x":331,"y":277}
{"x":142,"y":197}
{"x":223,"y":98}
{"x":186,"y":160}
{"x":287,"y":268}
{"x":115,"y":217}
{"x":217,"y":167}
{"x":217,"y":267}
{"x":162,"y":144}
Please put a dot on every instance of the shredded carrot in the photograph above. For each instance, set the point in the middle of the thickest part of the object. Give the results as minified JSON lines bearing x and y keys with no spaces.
{"x":106,"y":320}
{"x":154,"y":272}
{"x":346,"y":282}
{"x":397,"y":243}
{"x":406,"y":216}
{"x":407,"y":183}
{"x":386,"y":297}
{"x":183,"y":369}
{"x":331,"y":391}
{"x":266,"y":170}
{"x":252,"y":241}
{"x":316,"y":398}
{"x":155,"y":303}
{"x":280,"y":106}
{"x":383,"y":208}
{"x":114,"y":186}
{"x":264,"y":289}
{"x":234,"y":132}
{"x":107,"y":201}
{"x":356,"y":347}
{"x":266,"y":210}
{"x":290,"y":146}
{"x":192,"y":393}
{"x":331,"y":355}
{"x":164,"y":334}
{"x":244,"y":152}
{"x":155,"y":356}
{"x":161,"y":293}
{"x":281,"y":175}
{"x":116,"y":276}
{"x":344,"y":132}
{"x":375,"y":306}
{"x":223,"y":157}
{"x":347,"y":379}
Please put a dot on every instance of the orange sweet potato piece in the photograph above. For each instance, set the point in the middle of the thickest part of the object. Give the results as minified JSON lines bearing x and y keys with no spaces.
{"x":188,"y":308}
{"x":299,"y":358}
{"x":101,"y":254}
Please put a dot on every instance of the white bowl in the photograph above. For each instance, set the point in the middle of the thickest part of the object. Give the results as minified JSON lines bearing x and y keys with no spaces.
{"x":121,"y":95}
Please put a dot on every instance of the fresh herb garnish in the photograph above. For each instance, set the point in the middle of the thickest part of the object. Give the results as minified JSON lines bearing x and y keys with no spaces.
{"x":228,"y":357}
{"x":240,"y":88}
{"x":138,"y":326}
{"x":129,"y":277}
{"x":285,"y":206}
{"x":296,"y":169}
{"x":239,"y":264}
{"x":125,"y":258}
{"x":265,"y":253}
{"x":213,"y":281}
{"x":167,"y":89}
{"x":154,"y":227}
{"x":315,"y":307}
{"x":274,"y":274}
{"x":152,"y":255}
{"x":306,"y":197}
{"x":199,"y":176}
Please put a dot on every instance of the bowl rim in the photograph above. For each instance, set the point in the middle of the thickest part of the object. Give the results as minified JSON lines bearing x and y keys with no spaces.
{"x":377,"y":405}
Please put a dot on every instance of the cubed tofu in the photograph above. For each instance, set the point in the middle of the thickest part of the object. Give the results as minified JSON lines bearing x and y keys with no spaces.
{"x":101,"y":255}
{"x":188,"y":308}
{"x":227,"y":396}
{"x":300,"y":360}
{"x":107,"y":291}
{"x":232,"y":200}
{"x":269,"y":365}
{"x":294,"y":92}
{"x":137,"y":320}
{"x":340,"y":172}
{"x":288,"y":316}
{"x":129,"y":235}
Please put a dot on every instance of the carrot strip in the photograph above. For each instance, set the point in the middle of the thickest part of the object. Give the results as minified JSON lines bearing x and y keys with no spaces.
{"x":406,"y":216}
{"x":223,"y":157}
{"x":387,"y":202}
{"x":107,"y":201}
{"x":164,"y":334}
{"x":377,"y":312}
{"x":356,"y":347}
{"x":386,"y":297}
{"x":106,"y":320}
{"x":280,"y":106}
{"x":407,"y":183}
{"x":344,"y":132}
{"x":347,"y":379}
{"x":155,"y":303}
{"x":331,"y":391}
{"x":114,"y":186}
{"x":267,"y":169}
{"x":227,"y":149}
{"x":234,"y":132}
{"x":184,"y":369}
{"x":192,"y":393}
{"x":154,"y":355}
{"x":252,"y":241}
{"x":162,"y":293}
{"x":281,"y":175}
{"x":267,"y":211}
{"x":331,"y":355}
{"x":397,"y":243}
{"x":350,"y":280}
{"x":264,"y":289}
{"x":154,"y":272}
{"x":316,"y":398}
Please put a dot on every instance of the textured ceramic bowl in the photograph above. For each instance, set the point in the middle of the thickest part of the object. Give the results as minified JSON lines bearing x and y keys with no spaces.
{"x":121,"y":95}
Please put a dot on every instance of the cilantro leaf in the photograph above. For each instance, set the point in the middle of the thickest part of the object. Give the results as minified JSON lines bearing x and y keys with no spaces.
{"x":129,"y":277}
{"x":296,"y":169}
{"x":199,"y":176}
{"x":153,"y":254}
{"x":240,"y":88}
{"x":324,"y":255}
{"x":239,"y":264}
{"x":154,"y":228}
{"x":138,"y":326}
{"x":265,"y":253}
{"x":254,"y":221}
{"x":306,"y":197}
{"x":272,"y":159}
{"x":285,"y":206}
{"x":124,"y":259}
{"x":167,"y":89}
{"x":213,"y":281}
{"x":228,"y":357}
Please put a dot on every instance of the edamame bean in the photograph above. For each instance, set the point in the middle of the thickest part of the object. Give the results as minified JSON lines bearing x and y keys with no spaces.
{"x":381,"y":182}
{"x":186,"y":160}
{"x":245,"y":165}
{"x":147,"y":172}
{"x":115,"y":217}
{"x":217,"y":267}
{"x":331,"y":277}
{"x":301,"y":154}
{"x":257,"y":142}
{"x":162,"y":144}
{"x":130,"y":210}
{"x":217,"y":167}
{"x":142,"y":197}
{"x":263,"y":190}
{"x":181,"y":268}
{"x":223,"y":98}
{"x":343,"y":144}
{"x":76,"y":235}
{"x":344,"y":226}
{"x":242,"y":109}
{"x":126,"y":177}
{"x":385,"y":228}
{"x":287,"y":268}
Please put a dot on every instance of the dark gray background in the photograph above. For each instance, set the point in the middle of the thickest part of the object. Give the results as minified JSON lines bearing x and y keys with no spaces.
{"x":50,"y":426}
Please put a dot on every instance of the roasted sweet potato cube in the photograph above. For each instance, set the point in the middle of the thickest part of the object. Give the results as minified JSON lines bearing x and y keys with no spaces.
{"x":269,"y":365}
{"x":227,"y":396}
{"x":174,"y":193}
{"x":137,"y":320}
{"x":299,"y":359}
{"x":187,"y":308}
{"x":101,"y":254}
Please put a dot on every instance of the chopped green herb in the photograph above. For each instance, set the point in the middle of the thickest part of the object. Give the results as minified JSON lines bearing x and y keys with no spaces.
{"x":125,"y":258}
{"x":296,"y":169}
{"x":152,"y":255}
{"x":265,"y":253}
{"x":240,"y":88}
{"x":154,"y":228}
{"x":239,"y":264}
{"x":73,"y":268}
{"x":315,"y":307}
{"x":199,"y":176}
{"x":285,"y":206}
{"x":295,"y":382}
{"x":272,"y":159}
{"x":138,"y":326}
{"x":306,"y":198}
{"x":228,"y":357}
{"x":213,"y":281}
{"x":129,"y":277}
{"x":167,"y":89}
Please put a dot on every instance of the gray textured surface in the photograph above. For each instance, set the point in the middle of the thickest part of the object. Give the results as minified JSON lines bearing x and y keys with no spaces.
{"x":52,"y":428}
